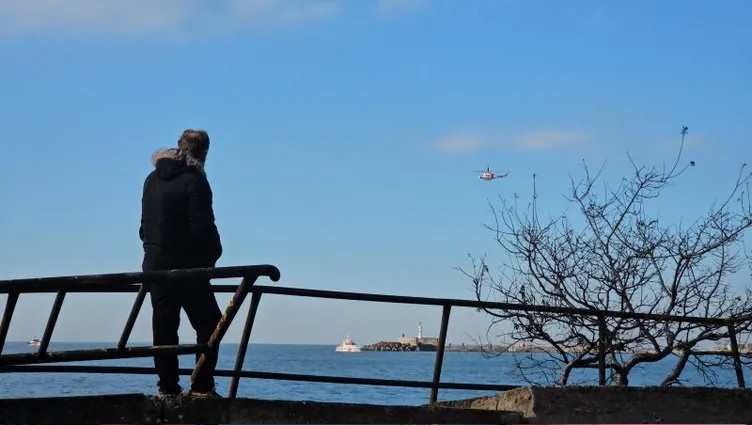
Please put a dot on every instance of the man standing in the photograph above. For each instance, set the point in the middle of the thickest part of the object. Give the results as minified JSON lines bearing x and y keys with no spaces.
{"x":178,"y":232}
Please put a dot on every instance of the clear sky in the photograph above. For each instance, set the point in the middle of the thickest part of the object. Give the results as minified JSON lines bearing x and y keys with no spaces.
{"x":345,"y":136}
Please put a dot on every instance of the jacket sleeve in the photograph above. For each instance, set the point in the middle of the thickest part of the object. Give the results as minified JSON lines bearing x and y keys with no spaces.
{"x":141,"y":226}
{"x":201,"y":214}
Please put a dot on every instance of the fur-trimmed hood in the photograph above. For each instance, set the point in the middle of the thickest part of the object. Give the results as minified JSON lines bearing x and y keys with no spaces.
{"x":171,"y":162}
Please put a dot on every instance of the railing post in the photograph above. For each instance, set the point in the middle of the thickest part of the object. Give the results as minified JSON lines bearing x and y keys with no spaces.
{"x":10,"y":306}
{"x":54,"y":313}
{"x":224,"y":323}
{"x":250,"y":318}
{"x":735,"y":354}
{"x":139,"y":301}
{"x":601,"y":350}
{"x":440,"y":353}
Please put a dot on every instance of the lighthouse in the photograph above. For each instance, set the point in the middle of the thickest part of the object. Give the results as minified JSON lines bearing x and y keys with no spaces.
{"x":420,"y":331}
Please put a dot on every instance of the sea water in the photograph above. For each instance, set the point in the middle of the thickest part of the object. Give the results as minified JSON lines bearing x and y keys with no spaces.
{"x":464,"y":367}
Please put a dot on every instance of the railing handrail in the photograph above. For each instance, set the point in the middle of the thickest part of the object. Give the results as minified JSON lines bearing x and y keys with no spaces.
{"x":403,"y":299}
{"x":130,"y":282}
{"x":56,"y":283}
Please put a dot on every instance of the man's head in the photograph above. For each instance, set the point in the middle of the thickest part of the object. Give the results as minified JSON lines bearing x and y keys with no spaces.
{"x":194,"y":143}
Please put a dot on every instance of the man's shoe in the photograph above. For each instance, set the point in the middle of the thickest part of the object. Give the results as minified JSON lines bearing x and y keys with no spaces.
{"x":203,"y":394}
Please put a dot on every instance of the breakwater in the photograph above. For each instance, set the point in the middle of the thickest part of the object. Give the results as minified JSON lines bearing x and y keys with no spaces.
{"x":486,"y":348}
{"x":397,"y":346}
{"x":401,"y":346}
{"x":420,"y":346}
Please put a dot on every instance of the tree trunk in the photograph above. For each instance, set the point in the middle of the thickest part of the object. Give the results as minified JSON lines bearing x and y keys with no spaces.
{"x":673,"y":376}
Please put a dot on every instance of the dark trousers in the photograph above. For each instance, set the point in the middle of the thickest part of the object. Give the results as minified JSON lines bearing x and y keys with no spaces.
{"x":197,"y":298}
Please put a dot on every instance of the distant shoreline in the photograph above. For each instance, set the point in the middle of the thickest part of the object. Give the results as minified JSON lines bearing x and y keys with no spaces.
{"x":453,"y":347}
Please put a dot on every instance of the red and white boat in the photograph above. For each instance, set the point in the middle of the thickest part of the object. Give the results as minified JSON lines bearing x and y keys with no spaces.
{"x":348,"y":346}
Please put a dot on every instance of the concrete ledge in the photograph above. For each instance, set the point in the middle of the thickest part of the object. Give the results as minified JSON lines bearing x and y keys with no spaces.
{"x":143,"y":409}
{"x":522,"y":405}
{"x":113,"y":409}
{"x":653,"y":405}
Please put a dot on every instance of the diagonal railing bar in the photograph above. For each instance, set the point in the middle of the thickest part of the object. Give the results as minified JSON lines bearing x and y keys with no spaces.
{"x":10,"y":306}
{"x":440,"y":353}
{"x":131,"y":321}
{"x":734,"y":345}
{"x":51,"y":321}
{"x":250,"y":318}
{"x":223,"y":325}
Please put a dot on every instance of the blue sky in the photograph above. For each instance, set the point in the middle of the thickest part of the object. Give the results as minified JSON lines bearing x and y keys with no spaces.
{"x":345,"y":136}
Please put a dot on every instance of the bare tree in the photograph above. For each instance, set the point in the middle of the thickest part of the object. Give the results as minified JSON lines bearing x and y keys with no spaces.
{"x":614,"y":254}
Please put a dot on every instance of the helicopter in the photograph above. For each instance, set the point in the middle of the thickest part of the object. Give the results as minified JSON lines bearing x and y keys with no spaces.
{"x":488,"y":175}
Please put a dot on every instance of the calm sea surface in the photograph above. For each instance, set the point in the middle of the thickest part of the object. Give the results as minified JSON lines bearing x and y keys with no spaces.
{"x":465,"y":367}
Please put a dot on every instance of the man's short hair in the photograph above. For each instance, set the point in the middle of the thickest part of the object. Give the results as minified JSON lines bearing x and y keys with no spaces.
{"x":194,"y":142}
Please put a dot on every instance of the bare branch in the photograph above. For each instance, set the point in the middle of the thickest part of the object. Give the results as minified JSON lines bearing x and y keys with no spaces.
{"x":619,"y":258}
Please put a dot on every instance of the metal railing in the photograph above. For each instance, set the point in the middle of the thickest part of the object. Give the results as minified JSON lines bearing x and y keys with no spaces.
{"x":138,"y":283}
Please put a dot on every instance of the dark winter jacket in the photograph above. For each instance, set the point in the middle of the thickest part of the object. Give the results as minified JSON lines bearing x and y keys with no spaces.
{"x":177,"y":219}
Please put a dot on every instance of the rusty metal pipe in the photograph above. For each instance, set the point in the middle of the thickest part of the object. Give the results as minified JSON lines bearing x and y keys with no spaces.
{"x":224,"y":323}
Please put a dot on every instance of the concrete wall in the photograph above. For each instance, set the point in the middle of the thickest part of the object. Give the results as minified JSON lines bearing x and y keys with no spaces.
{"x":142,"y":409}
{"x":415,"y":340}
{"x":594,"y":405}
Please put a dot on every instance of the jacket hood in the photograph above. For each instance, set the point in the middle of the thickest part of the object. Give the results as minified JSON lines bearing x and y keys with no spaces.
{"x":172,"y":162}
